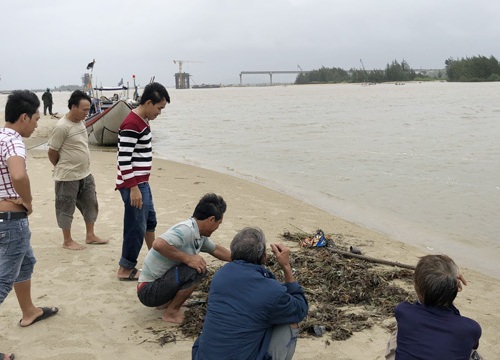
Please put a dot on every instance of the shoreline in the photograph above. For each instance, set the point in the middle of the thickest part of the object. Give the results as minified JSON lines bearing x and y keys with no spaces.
{"x":101,"y":317}
{"x":468,"y":254}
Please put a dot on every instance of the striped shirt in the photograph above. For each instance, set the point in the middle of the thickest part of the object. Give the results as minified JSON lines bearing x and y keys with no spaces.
{"x":135,"y":154}
{"x":11,"y":144}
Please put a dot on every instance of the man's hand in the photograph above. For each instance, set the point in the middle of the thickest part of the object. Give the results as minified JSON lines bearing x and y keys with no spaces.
{"x":20,"y":201}
{"x":135,"y":197}
{"x":282,"y":254}
{"x":197,"y":262}
{"x":28,"y":207}
{"x":17,"y":201}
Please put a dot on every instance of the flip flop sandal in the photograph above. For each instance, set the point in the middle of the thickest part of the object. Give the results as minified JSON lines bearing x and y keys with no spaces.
{"x":47,"y":312}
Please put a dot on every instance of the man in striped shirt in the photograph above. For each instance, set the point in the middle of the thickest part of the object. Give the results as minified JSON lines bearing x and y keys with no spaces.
{"x":134,"y":167}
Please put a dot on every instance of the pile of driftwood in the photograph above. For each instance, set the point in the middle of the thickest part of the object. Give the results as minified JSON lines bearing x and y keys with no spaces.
{"x":346,"y":292}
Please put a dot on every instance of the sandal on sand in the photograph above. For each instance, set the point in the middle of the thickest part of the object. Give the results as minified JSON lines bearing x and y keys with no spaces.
{"x":12,"y":356}
{"x":131,"y":276}
{"x":47,"y":312}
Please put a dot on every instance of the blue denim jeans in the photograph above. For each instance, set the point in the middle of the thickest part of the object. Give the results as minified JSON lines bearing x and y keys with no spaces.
{"x":135,"y":224}
{"x":16,"y":255}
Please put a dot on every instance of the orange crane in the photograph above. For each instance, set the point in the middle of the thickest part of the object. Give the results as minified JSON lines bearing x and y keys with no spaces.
{"x":180,"y":62}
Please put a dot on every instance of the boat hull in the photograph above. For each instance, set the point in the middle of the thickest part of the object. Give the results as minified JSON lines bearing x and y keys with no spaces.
{"x":102,"y":128}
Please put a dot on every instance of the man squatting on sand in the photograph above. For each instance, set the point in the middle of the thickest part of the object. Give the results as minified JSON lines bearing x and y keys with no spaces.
{"x":432,"y":328}
{"x":173,"y":267}
{"x":74,"y":184}
{"x":135,"y":156}
{"x":250,"y":315}
{"x":16,"y":255}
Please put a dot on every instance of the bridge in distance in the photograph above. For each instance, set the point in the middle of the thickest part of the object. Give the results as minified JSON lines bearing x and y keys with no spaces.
{"x":272,"y":72}
{"x":268,"y":72}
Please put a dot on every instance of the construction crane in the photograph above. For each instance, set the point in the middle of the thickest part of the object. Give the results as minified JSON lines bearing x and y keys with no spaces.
{"x":180,"y":62}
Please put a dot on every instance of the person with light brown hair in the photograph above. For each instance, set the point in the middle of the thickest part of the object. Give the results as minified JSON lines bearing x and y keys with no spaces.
{"x":432,"y":328}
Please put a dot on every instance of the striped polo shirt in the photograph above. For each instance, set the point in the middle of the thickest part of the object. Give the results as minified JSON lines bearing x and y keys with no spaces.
{"x":135,"y":154}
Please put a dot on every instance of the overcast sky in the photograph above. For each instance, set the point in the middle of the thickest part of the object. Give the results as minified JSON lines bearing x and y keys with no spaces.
{"x":49,"y":43}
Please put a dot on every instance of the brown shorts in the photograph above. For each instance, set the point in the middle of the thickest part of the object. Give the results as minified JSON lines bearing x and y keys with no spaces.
{"x":77,"y":193}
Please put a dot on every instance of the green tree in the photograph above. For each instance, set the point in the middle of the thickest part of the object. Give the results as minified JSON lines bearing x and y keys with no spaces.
{"x":476,"y":68}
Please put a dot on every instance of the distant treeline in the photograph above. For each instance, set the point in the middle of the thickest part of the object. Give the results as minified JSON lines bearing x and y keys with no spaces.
{"x":68,"y":88}
{"x":60,"y":88}
{"x":393,"y":72}
{"x":478,"y":68}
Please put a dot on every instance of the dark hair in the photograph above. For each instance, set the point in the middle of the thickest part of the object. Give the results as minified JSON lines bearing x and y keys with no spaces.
{"x":436,"y":280}
{"x":249,"y":245}
{"x":155,"y":92}
{"x":210,"y":205}
{"x":76,"y":97}
{"x":21,"y":102}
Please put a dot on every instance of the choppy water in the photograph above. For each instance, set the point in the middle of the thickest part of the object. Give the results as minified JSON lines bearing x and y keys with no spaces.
{"x":419,"y":162}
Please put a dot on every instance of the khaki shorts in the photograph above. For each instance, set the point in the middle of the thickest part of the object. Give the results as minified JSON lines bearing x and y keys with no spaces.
{"x":76,"y":194}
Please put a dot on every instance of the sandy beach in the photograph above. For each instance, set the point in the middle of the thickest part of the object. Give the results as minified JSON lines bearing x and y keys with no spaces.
{"x":101,"y":317}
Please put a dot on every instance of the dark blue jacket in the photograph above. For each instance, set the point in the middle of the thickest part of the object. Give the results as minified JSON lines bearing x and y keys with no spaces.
{"x":434,"y":333}
{"x":244,"y":303}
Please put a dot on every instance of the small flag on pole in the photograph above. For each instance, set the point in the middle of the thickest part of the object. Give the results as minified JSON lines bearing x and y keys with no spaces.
{"x":90,"y":65}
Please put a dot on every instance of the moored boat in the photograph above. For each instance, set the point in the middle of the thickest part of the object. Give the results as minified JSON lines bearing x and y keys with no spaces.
{"x":102,"y":128}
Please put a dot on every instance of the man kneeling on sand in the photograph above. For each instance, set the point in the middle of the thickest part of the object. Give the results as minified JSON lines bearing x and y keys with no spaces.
{"x":173,"y":267}
{"x":250,"y":314}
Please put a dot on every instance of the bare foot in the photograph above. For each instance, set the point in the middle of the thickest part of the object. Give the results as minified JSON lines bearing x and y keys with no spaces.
{"x":172,"y":316}
{"x":7,"y":356}
{"x":72,"y":245}
{"x":39,"y":314}
{"x":95,"y":240}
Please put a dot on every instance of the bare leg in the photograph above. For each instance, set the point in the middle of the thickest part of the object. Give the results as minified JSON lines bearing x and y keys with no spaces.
{"x":69,"y":243}
{"x":164,"y":306}
{"x":91,"y":237}
{"x":173,"y":313}
{"x":149,"y":237}
{"x":29,"y":310}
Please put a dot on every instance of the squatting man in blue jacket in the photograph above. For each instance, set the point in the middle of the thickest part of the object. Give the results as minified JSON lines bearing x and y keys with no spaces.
{"x":250,"y":314}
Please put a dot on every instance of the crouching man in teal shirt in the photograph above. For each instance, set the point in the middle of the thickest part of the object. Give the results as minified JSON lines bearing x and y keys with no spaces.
{"x":173,"y":267}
